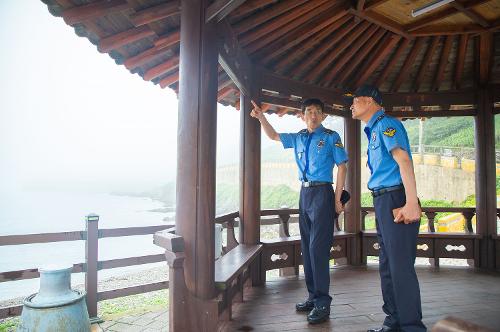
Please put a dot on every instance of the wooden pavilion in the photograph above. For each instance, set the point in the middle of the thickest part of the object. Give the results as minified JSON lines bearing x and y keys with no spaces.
{"x":443,"y":63}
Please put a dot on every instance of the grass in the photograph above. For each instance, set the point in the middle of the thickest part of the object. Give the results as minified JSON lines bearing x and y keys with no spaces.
{"x":9,"y":324}
{"x":133,"y":304}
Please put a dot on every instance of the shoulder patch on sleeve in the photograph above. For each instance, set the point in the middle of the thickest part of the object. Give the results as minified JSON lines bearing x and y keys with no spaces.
{"x":390,"y":131}
{"x":339,"y":144}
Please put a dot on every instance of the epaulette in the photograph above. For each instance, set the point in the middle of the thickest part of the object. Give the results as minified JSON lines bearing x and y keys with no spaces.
{"x":303,"y":131}
{"x":329,"y":131}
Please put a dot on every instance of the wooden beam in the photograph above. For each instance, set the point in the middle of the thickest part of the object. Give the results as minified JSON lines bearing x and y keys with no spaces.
{"x":330,"y":57}
{"x":379,"y":55}
{"x":296,"y":106}
{"x":390,"y":65}
{"x":312,"y":43}
{"x":266,"y":15}
{"x":161,"y":69}
{"x":348,"y":55}
{"x":234,"y":59}
{"x":124,"y":38}
{"x":441,"y":98}
{"x":443,"y":62}
{"x":447,"y":30}
{"x":374,"y":4}
{"x":248,"y":7}
{"x":476,"y":18}
{"x":360,"y":56}
{"x":278,"y":22}
{"x":302,"y":32}
{"x":408,"y":64}
{"x":425,"y":63}
{"x":459,"y":67}
{"x":286,"y":86}
{"x":225,"y":91}
{"x":150,"y":54}
{"x":170,"y":79}
{"x":441,"y":15}
{"x":219,"y":9}
{"x":93,"y":10}
{"x":432,"y":114}
{"x":280,"y":102}
{"x":382,"y":21}
{"x":169,"y":39}
{"x":485,"y":57}
{"x":156,"y":13}
{"x":314,"y":56}
{"x":301,"y":19}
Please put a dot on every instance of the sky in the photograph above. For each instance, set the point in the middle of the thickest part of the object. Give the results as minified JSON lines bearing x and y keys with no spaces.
{"x":70,"y":118}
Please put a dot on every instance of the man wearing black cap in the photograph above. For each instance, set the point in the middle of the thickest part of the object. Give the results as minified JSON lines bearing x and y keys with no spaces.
{"x":397,"y":210}
{"x":317,"y":150}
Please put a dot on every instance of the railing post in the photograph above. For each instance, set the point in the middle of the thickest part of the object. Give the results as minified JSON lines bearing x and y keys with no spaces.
{"x":284,"y":225}
{"x":364,"y":213}
{"x":231,"y":238}
{"x":91,"y":259}
{"x":431,"y":216}
{"x":430,"y":221}
{"x":468,"y":221}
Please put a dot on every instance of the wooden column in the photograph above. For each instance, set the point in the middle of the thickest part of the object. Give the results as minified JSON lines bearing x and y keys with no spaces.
{"x":353,"y":185}
{"x":249,"y":174}
{"x":485,"y":177}
{"x":250,"y":182}
{"x":197,"y":127}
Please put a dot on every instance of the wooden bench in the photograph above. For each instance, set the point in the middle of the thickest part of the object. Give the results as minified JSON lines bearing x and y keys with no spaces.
{"x":433,"y":245}
{"x":231,"y":272}
{"x":234,"y":263}
{"x":285,"y":252}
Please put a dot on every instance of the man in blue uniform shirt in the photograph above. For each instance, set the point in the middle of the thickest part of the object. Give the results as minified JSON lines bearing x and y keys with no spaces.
{"x":317,"y":150}
{"x":397,"y":211}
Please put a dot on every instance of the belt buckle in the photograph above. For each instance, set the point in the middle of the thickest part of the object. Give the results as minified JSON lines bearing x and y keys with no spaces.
{"x":306,"y":184}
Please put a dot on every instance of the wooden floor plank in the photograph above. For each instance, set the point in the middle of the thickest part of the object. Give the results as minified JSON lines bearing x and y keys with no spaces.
{"x":466,"y":293}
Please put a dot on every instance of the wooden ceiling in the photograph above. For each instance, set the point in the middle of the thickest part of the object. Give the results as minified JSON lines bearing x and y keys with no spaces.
{"x":334,"y":44}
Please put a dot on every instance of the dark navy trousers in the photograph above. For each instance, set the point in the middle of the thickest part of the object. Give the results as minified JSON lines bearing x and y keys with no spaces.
{"x":397,"y":252}
{"x":316,"y":232}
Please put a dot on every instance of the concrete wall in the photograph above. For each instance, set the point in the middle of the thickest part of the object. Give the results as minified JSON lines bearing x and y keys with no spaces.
{"x":433,"y":182}
{"x":436,"y":182}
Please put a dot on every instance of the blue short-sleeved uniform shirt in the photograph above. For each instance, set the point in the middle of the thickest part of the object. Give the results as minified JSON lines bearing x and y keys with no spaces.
{"x":385,"y":134}
{"x":317,"y":152}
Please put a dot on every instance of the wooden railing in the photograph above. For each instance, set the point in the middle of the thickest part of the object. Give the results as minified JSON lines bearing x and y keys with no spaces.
{"x":430,"y":213}
{"x":432,"y":244}
{"x":91,"y":266}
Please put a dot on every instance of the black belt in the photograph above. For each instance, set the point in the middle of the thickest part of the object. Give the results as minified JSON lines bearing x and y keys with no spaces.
{"x":314,"y":183}
{"x":382,"y":191}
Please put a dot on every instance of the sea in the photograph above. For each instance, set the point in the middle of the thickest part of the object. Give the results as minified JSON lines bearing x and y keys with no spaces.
{"x":31,"y":212}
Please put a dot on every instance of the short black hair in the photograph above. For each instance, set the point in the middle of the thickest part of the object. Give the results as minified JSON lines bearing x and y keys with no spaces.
{"x":313,"y":101}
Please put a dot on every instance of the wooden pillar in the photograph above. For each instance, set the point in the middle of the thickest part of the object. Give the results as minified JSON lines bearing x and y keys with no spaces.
{"x":249,"y":174}
{"x":250,"y":182}
{"x":485,"y":177}
{"x":353,"y":185}
{"x":197,"y":128}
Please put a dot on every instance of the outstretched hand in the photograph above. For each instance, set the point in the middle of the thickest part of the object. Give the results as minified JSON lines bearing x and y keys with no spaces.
{"x":257,"y":111}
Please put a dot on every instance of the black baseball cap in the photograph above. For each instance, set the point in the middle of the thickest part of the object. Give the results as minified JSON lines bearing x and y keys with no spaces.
{"x":365,"y":91}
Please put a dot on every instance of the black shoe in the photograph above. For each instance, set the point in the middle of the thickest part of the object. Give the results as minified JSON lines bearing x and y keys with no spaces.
{"x":318,"y":315}
{"x":384,"y":328}
{"x":307,"y":305}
